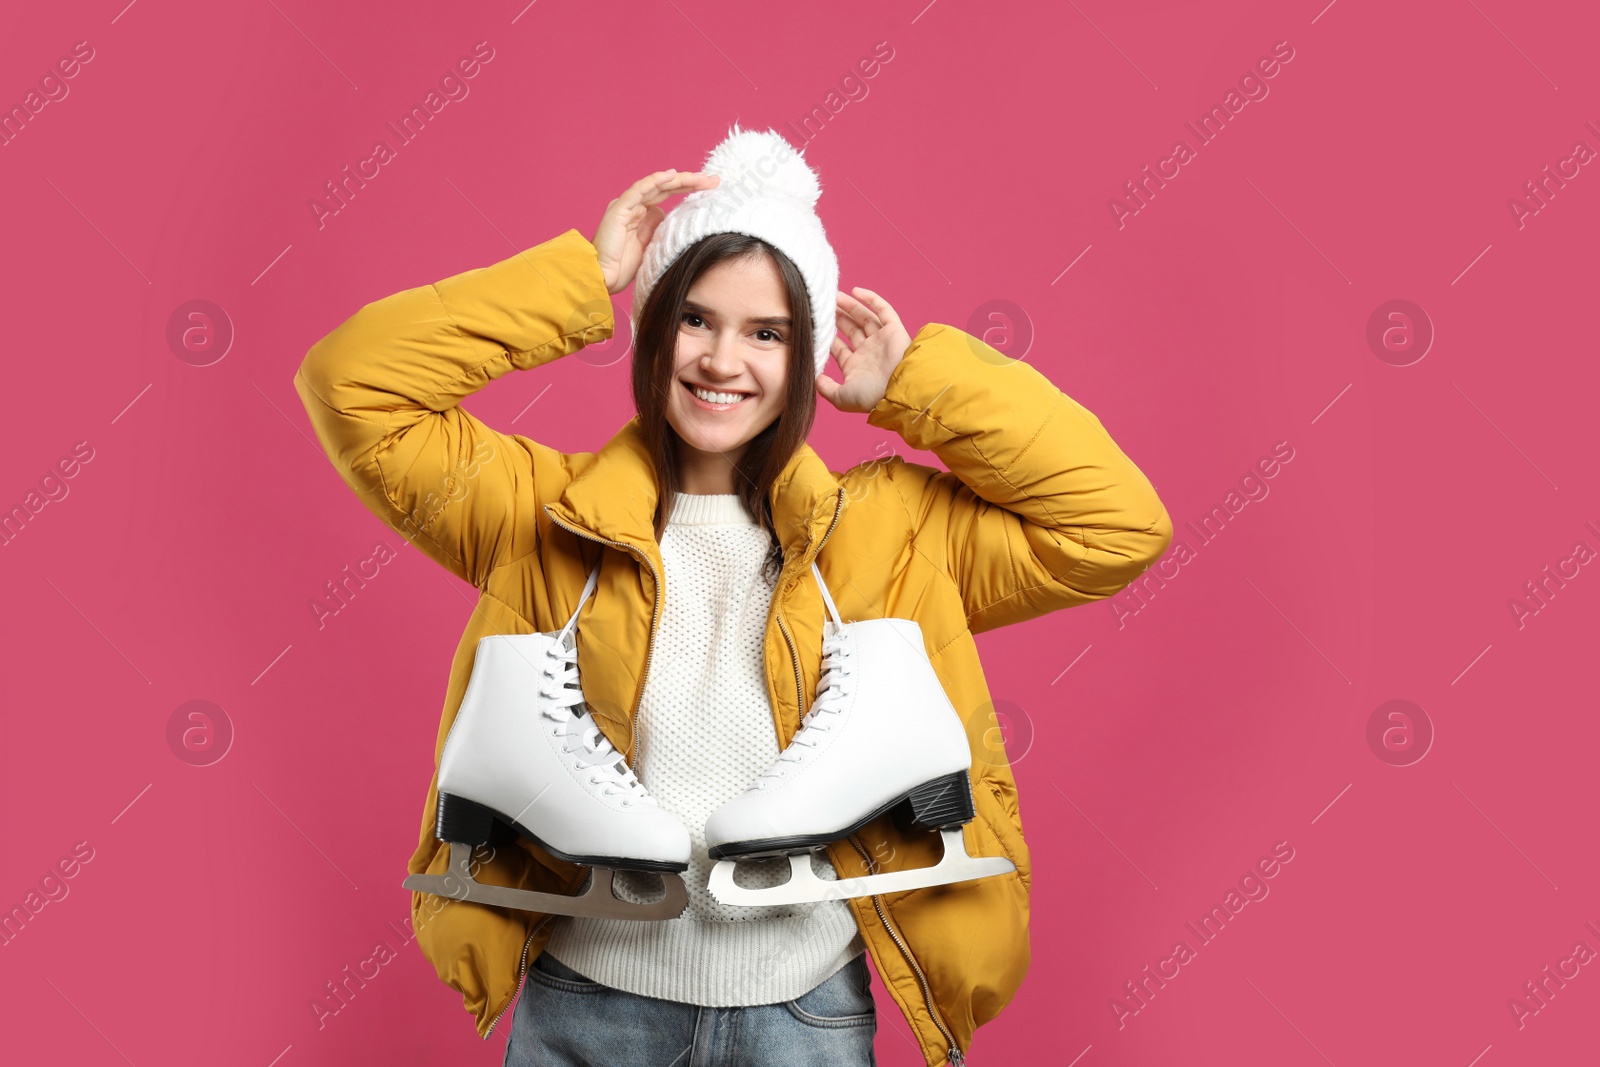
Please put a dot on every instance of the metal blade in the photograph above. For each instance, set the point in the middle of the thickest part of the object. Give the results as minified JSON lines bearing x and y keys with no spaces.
{"x":599,"y":901}
{"x":804,"y":887}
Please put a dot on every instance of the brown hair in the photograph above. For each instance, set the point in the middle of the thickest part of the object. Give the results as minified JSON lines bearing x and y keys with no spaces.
{"x":654,"y":354}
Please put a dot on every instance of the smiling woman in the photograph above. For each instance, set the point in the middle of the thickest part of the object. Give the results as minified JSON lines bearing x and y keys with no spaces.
{"x":722,"y":376}
{"x":681,"y":678}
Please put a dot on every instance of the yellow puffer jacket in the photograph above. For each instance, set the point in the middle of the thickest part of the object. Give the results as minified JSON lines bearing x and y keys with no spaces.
{"x":1041,"y":510}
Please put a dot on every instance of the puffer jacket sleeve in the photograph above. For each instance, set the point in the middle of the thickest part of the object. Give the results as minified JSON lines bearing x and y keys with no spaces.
{"x":383,"y":393}
{"x":1040,"y":509}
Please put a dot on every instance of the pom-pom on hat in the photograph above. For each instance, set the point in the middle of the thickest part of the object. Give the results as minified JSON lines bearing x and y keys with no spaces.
{"x":767,"y":191}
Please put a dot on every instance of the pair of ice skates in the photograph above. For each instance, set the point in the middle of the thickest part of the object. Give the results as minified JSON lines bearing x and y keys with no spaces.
{"x":525,"y":751}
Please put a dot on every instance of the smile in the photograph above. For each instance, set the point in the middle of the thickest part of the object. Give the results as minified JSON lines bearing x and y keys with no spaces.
{"x":716,"y":401}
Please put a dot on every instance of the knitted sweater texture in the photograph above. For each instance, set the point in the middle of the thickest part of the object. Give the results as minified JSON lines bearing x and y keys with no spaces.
{"x":706,"y":732}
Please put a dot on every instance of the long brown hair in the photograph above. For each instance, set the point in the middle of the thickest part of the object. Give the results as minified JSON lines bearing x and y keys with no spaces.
{"x":654,"y":355}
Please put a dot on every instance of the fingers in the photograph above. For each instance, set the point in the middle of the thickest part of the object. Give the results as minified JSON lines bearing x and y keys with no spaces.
{"x":878,"y":305}
{"x":853,"y":319}
{"x":652,"y":189}
{"x":828,"y":389}
{"x":869,"y":317}
{"x":850,"y":327}
{"x":653,"y":217}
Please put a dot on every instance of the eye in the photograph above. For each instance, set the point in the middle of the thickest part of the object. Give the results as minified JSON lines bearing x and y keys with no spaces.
{"x":687,"y":315}
{"x":774,"y":334}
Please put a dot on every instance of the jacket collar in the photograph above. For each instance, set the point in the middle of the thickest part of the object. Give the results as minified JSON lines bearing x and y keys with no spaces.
{"x":614,"y":497}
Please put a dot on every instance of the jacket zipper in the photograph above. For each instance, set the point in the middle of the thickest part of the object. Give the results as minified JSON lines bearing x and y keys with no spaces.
{"x":522,"y":968}
{"x":954,"y":1055}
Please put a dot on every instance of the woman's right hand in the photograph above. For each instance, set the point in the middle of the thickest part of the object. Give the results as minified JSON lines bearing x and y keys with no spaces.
{"x":631,"y":219}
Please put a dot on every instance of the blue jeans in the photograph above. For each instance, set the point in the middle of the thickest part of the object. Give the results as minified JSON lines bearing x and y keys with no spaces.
{"x":563,"y":1019}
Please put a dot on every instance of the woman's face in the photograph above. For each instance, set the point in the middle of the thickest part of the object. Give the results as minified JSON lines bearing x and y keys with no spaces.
{"x":731,"y":370}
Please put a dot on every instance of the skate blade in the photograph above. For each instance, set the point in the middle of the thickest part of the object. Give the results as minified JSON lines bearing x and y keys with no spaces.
{"x":804,"y":887}
{"x":597,"y":902}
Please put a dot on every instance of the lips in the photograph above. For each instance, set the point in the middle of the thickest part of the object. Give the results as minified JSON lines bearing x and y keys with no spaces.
{"x":715,"y":399}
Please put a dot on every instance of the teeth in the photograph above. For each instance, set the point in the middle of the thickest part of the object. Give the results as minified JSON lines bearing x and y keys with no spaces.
{"x":716,"y":398}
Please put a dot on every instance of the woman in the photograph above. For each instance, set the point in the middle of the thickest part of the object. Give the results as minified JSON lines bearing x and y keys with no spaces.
{"x":702,"y":642}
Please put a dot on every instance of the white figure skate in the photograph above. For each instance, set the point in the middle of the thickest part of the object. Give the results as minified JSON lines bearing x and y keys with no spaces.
{"x":882,"y":735}
{"x":524,"y":750}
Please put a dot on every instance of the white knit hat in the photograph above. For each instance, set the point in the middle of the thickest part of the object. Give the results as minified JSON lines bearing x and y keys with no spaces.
{"x":767,"y":191}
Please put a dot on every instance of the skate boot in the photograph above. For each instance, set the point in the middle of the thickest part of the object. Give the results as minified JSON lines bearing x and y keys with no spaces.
{"x":882,"y":736}
{"x":525,"y":751}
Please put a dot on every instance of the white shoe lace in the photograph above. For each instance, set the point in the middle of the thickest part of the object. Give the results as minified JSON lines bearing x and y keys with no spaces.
{"x":561,"y":691}
{"x":836,"y":668}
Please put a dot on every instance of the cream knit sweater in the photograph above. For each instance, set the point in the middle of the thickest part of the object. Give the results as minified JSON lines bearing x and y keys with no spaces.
{"x":706,"y":732}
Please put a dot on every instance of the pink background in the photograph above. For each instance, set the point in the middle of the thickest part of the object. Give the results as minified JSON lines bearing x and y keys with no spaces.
{"x":1229,"y":314}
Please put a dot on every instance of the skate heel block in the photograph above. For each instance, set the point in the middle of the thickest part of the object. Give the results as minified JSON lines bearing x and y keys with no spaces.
{"x":943,"y":803}
{"x":463,"y":820}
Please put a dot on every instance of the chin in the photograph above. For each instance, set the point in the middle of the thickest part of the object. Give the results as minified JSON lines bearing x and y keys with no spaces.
{"x":721,"y":441}
{"x":709,"y":435}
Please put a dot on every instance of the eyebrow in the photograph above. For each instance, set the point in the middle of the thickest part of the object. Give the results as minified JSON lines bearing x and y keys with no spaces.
{"x":768,"y":320}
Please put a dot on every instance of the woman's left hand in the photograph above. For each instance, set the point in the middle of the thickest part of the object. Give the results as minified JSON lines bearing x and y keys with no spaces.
{"x":877,"y":342}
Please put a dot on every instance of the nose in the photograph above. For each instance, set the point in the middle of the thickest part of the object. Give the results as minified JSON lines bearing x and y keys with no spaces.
{"x":722,"y":358}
